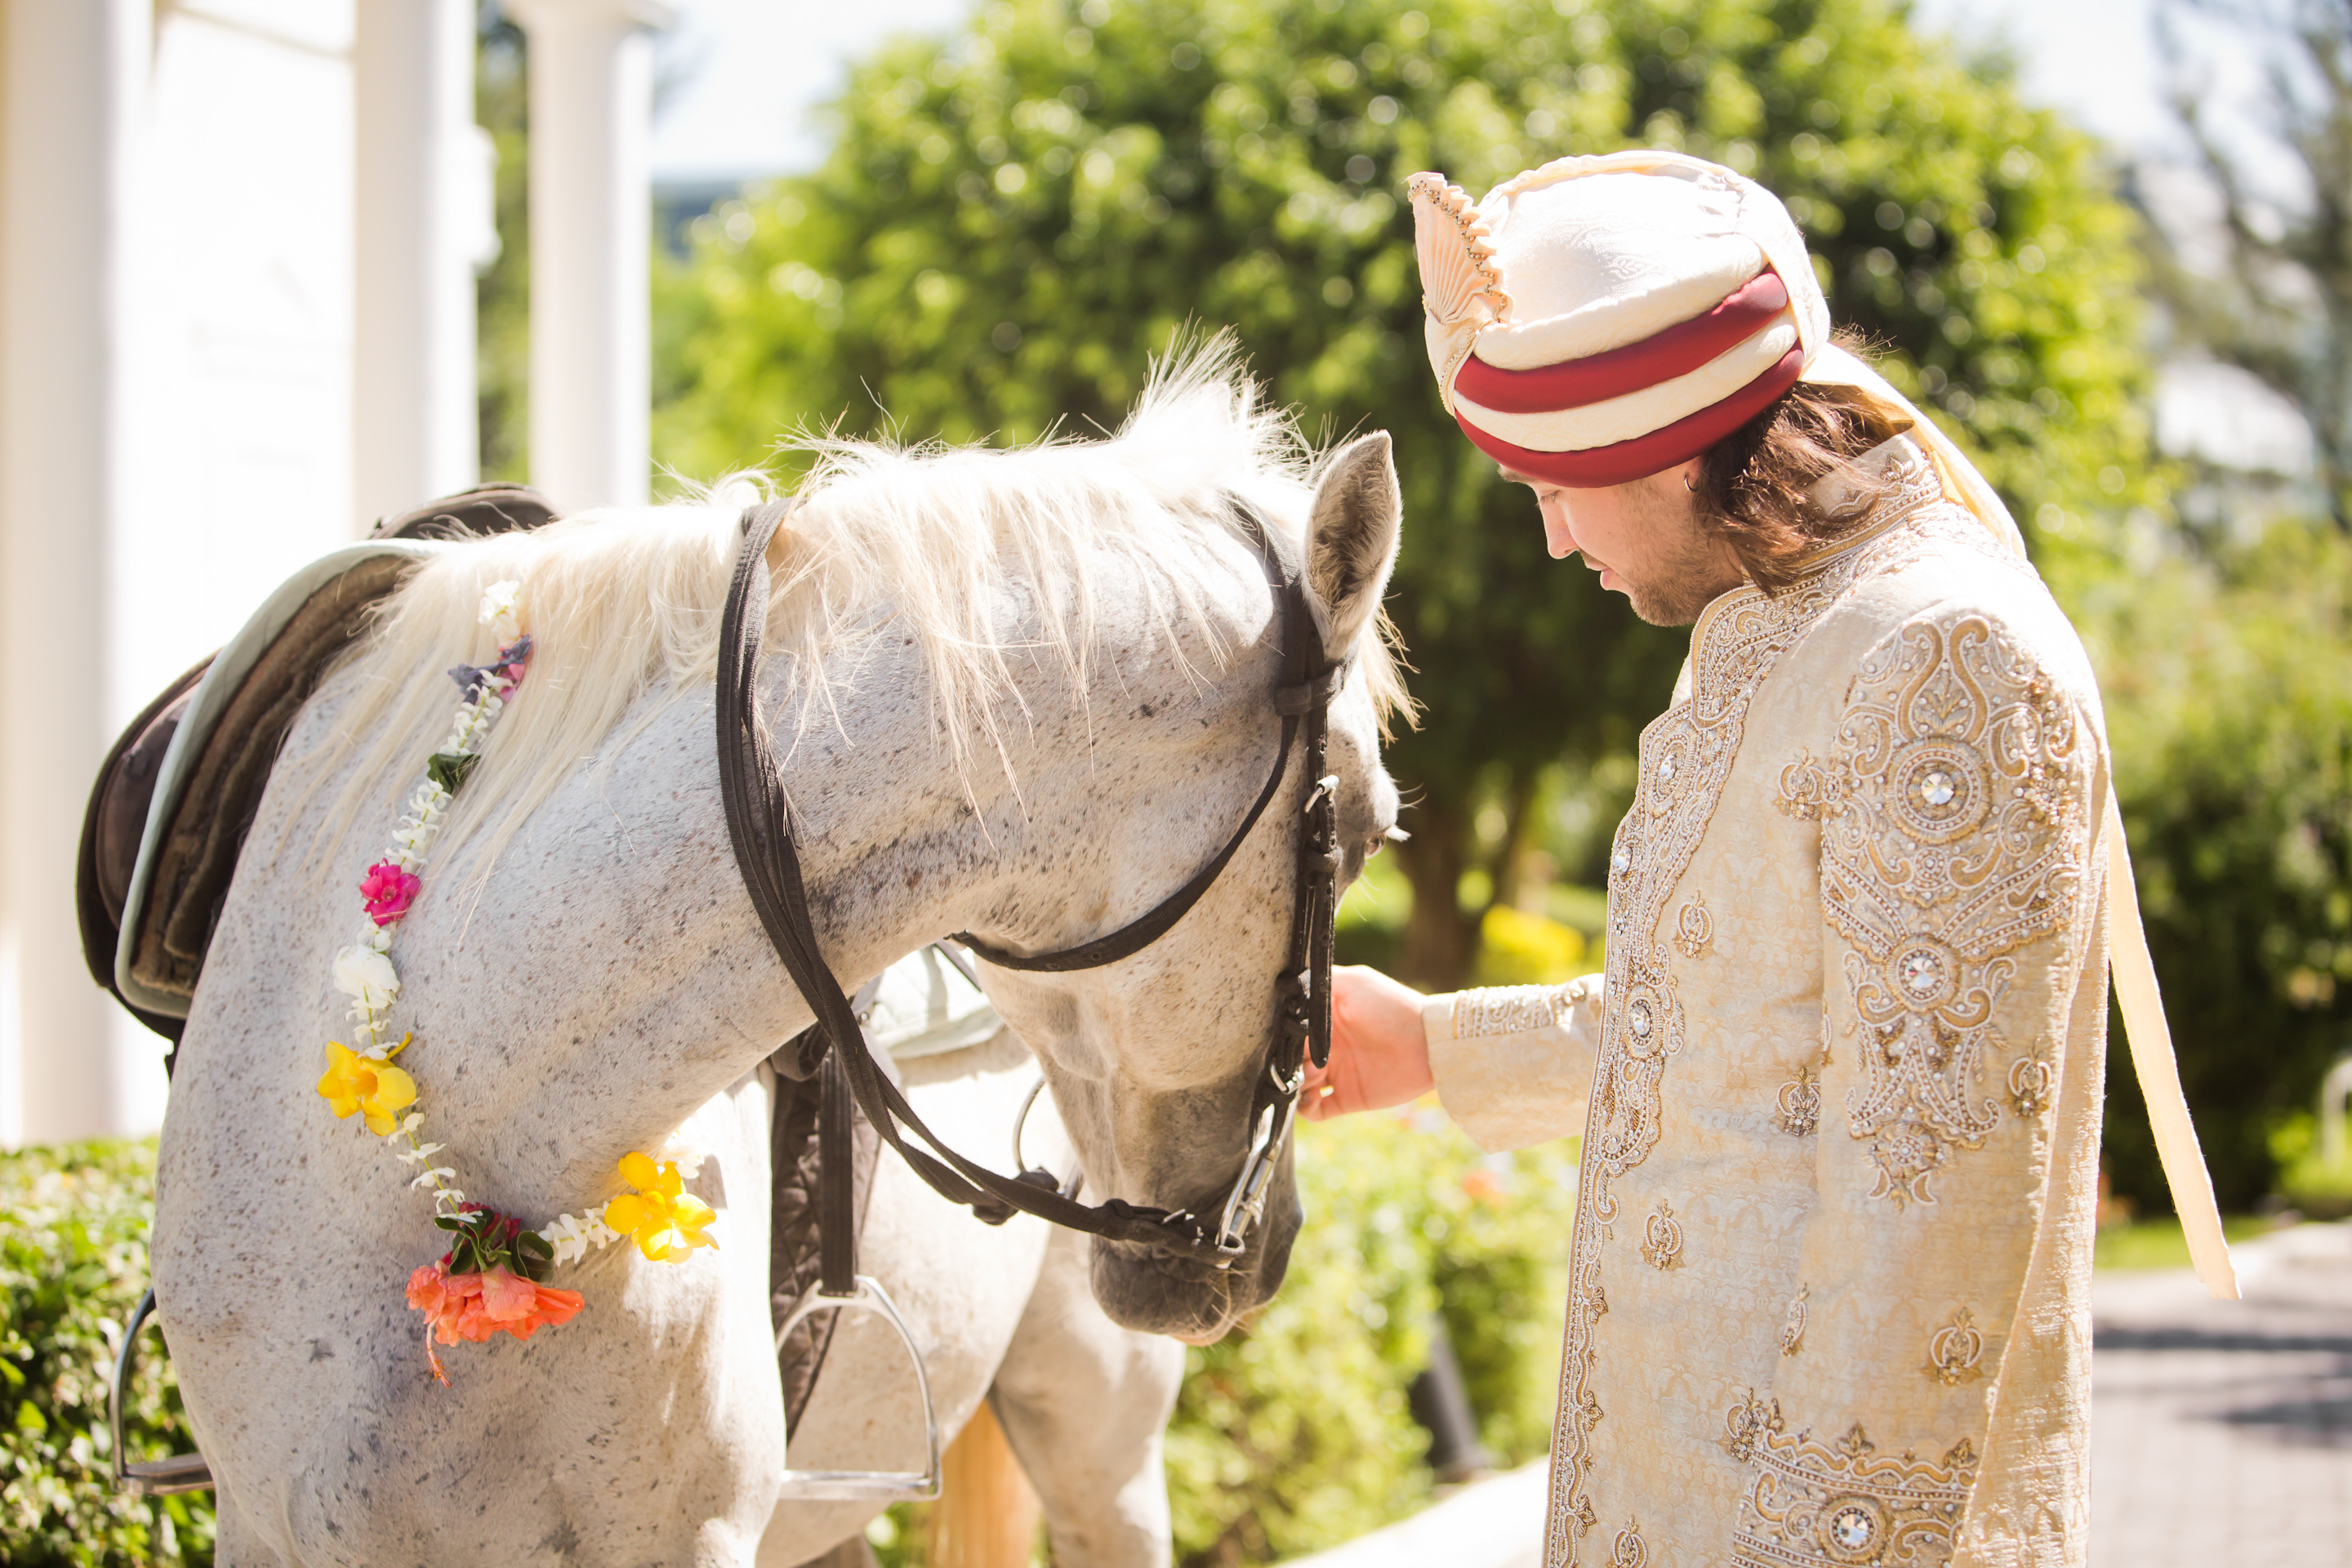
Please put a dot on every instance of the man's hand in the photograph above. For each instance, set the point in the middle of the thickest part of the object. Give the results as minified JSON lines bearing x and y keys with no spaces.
{"x":1379,"y":1058}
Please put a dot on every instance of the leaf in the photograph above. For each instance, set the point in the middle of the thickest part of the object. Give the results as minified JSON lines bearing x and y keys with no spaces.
{"x":448,"y":769}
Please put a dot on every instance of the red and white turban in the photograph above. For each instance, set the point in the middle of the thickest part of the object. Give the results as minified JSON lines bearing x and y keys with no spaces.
{"x":1600,"y":320}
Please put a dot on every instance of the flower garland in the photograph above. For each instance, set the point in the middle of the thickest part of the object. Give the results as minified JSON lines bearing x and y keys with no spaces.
{"x":493,"y":1275}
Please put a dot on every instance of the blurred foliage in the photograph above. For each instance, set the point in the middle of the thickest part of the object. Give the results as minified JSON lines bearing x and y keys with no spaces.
{"x":502,"y":293}
{"x":1293,"y":1434}
{"x":73,"y":1264}
{"x":2160,"y":1243}
{"x":2227,"y":681}
{"x":2265,"y":282}
{"x":1517,"y":948}
{"x":2317,"y":1187}
{"x":1013,"y":220}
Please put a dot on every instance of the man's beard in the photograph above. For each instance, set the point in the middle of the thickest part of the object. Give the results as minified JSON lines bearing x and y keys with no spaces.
{"x":1680,"y":573}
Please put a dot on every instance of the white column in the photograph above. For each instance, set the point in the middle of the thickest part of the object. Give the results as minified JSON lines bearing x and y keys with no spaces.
{"x":71,"y":87}
{"x":421,"y":202}
{"x":591,"y":87}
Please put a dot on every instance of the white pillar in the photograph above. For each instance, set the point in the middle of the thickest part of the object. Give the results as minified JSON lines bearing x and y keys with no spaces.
{"x":72,"y":83}
{"x":591,"y":95}
{"x":421,"y":195}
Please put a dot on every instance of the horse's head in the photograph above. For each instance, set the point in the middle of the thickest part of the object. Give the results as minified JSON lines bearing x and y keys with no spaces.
{"x":1157,"y":1060}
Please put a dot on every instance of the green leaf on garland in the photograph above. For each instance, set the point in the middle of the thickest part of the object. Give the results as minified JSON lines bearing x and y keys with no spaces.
{"x":448,"y":769}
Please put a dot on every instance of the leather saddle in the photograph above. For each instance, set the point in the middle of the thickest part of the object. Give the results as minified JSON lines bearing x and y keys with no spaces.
{"x":161,"y":836}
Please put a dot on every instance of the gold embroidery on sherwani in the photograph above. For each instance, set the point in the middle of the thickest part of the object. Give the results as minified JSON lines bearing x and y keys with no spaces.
{"x":1798,"y":1111}
{"x":1628,"y":1551}
{"x":1792,"y":1333}
{"x":1746,"y":1423}
{"x":1514,"y":1010}
{"x":1830,"y":1506}
{"x":1956,"y":1350}
{"x":1950,"y":838}
{"x":1687,"y":753}
{"x":1694,"y":927}
{"x":2032,"y":1082}
{"x":1662,"y":1238}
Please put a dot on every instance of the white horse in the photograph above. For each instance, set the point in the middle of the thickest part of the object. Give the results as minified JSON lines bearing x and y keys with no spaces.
{"x":1024,"y":694}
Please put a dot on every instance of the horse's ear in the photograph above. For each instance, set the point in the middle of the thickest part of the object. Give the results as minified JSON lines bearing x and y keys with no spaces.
{"x":1351,"y":539}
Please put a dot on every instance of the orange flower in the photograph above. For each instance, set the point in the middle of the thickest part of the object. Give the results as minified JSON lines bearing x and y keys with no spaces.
{"x":665,"y":1219}
{"x":473,"y":1307}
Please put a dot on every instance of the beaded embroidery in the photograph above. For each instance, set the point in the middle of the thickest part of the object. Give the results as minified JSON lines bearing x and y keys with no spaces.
{"x":1817,"y":1505}
{"x":1735,"y":647}
{"x":1953,"y":831}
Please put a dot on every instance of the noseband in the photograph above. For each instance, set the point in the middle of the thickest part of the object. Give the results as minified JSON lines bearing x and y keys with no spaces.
{"x":759,"y":826}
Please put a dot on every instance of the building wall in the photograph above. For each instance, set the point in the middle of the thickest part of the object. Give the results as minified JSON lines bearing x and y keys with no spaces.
{"x":175,"y":435}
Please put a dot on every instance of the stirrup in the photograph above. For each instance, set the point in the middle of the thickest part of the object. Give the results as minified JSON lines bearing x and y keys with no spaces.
{"x":149,"y":1477}
{"x":873,"y":1486}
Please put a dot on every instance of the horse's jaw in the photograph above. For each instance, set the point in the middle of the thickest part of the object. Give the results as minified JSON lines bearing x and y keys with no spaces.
{"x":1158,"y":1293}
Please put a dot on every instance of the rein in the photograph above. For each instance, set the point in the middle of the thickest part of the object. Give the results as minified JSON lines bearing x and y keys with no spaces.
{"x":758,"y":827}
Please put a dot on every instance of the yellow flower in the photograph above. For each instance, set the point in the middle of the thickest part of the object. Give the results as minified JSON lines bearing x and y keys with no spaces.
{"x":665,"y":1219}
{"x":355,"y":1082}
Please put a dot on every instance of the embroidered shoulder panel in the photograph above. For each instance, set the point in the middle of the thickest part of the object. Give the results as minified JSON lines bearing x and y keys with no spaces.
{"x":1832,"y":1505}
{"x":1955,"y":830}
{"x":1687,"y":753}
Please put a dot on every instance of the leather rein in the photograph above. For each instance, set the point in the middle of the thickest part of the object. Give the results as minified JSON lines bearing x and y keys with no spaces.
{"x":759,"y":826}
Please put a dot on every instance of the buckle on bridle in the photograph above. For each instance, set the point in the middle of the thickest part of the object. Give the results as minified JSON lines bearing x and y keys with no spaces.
{"x":1246,"y":1204}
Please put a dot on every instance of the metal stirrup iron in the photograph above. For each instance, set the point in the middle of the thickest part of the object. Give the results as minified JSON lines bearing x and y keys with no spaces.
{"x":149,"y":1477}
{"x":841,"y":1288}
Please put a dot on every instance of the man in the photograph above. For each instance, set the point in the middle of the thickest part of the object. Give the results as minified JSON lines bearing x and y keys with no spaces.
{"x":1829,"y":1286}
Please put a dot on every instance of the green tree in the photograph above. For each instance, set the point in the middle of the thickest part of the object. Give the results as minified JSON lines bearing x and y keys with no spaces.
{"x":1013,"y":220}
{"x":502,"y":293}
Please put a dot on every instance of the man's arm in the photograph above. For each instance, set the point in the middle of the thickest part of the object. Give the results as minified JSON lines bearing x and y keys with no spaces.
{"x":1955,"y":817}
{"x":1512,"y":1066}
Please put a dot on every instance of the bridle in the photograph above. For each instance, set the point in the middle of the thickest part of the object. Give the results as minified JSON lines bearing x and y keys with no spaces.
{"x":835,"y":1050}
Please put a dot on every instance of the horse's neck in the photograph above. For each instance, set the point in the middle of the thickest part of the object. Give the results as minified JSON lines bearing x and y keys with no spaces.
{"x":624,"y":884}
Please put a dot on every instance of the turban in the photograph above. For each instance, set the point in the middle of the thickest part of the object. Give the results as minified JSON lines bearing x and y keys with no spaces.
{"x":1600,"y":320}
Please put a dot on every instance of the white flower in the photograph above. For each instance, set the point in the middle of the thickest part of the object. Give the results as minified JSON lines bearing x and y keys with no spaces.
{"x":687,"y":1156}
{"x":364,"y":974}
{"x":499,"y":602}
{"x":572,"y":1236}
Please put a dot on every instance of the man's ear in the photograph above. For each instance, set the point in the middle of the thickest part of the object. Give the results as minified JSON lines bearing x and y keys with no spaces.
{"x":1351,"y":540}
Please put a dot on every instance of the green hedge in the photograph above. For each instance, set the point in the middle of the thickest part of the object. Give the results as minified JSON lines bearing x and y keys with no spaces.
{"x":73,"y":1263}
{"x":1291,"y":1434}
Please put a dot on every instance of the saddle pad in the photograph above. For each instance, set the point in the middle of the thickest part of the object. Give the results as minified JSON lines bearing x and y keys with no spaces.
{"x":219,"y":758}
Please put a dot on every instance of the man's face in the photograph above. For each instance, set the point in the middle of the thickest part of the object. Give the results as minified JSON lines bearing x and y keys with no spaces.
{"x":1643,"y":538}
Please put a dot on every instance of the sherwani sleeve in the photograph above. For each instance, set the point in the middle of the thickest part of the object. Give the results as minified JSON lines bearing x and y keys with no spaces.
{"x":1959,"y":908}
{"x":1514,"y":1064}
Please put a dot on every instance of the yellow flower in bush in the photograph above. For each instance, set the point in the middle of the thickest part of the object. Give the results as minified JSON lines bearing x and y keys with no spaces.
{"x":376,"y":1089}
{"x":665,"y":1218}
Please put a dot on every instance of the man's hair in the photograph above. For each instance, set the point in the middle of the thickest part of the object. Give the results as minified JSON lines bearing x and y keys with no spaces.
{"x":1755,"y":485}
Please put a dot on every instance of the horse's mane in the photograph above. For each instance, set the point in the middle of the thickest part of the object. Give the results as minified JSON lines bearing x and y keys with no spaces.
{"x":624,"y":606}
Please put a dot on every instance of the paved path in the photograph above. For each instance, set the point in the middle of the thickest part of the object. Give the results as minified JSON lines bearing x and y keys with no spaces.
{"x":2222,"y":1431}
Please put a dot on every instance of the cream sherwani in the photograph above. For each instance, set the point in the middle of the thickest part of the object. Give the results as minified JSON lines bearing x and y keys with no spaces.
{"x":1829,"y":1297}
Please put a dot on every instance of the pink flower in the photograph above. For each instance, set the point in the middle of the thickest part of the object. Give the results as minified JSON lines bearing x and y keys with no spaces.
{"x":389,"y":891}
{"x":473,"y":1307}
